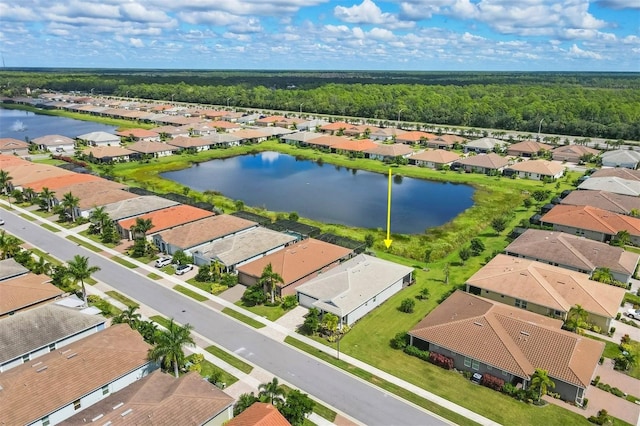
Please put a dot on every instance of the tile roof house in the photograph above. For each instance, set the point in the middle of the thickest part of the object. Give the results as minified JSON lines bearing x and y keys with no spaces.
{"x":485,"y":145}
{"x":30,"y":334}
{"x":108,"y":154}
{"x":25,"y":292}
{"x":95,"y":193}
{"x":186,"y":142}
{"x":24,"y":172}
{"x":612,"y":184}
{"x":572,"y":153}
{"x":163,"y":219}
{"x":486,"y":337}
{"x":171,"y":132}
{"x":483,"y":163}
{"x":355,"y":287}
{"x":242,"y":248}
{"x":354,"y":145}
{"x":545,"y":289}
{"x":55,"y":143}
{"x":617,"y":203}
{"x":444,"y":141}
{"x":536,"y":169}
{"x":326,"y":141}
{"x":161,"y":399}
{"x":334,"y":127}
{"x":434,"y":159}
{"x":415,"y":137}
{"x":60,"y":182}
{"x":137,"y":206}
{"x":153,"y":149}
{"x":590,"y":222}
{"x":140,"y":135}
{"x":9,"y":268}
{"x":621,"y":158}
{"x":296,"y":264}
{"x":259,"y":414}
{"x":221,"y":140}
{"x":527,"y":148}
{"x":193,"y":235}
{"x":300,"y":138}
{"x":99,"y":139}
{"x":621,"y":173}
{"x":11,"y":146}
{"x":385,"y":134}
{"x":573,"y":252}
{"x":59,"y":384}
{"x":250,"y":136}
{"x":389,"y":152}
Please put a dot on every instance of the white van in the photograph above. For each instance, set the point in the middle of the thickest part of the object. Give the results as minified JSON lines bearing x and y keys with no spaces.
{"x":163,"y":261}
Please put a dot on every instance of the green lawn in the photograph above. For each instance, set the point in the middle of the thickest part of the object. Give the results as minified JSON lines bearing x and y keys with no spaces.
{"x":49,"y":227}
{"x":160,"y":320}
{"x":123,"y":262}
{"x":190,"y":293}
{"x":271,"y":313}
{"x":229,"y":359}
{"x":83,"y":243}
{"x":96,"y":238}
{"x":153,"y":276}
{"x":243,"y":318}
{"x":28,"y":217}
{"x":208,"y":370}
{"x":46,"y":256}
{"x":213,"y":288}
{"x":122,"y":298}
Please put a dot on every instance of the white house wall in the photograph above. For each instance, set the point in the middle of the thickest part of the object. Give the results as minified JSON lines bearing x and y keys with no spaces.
{"x":373,"y":303}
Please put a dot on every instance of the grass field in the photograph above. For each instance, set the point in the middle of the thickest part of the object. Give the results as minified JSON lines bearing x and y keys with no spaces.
{"x":84,"y":244}
{"x":229,"y":359}
{"x":123,"y":262}
{"x":160,"y":320}
{"x":188,"y":292}
{"x":271,"y":313}
{"x":243,"y":318}
{"x":122,"y":298}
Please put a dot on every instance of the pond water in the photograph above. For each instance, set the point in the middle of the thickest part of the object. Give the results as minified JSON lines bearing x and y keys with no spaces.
{"x":19,"y":124}
{"x":328,"y":193}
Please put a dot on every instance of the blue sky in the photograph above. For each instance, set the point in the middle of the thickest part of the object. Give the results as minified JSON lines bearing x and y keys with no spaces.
{"x":466,"y":35}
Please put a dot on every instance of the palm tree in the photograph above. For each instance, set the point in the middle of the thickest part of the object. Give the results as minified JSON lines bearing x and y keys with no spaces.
{"x":269,"y":279}
{"x":5,"y":178}
{"x":29,"y":194}
{"x":621,"y":239}
{"x":79,"y":270}
{"x":576,"y":319}
{"x":142,"y":226}
{"x":9,"y":245}
{"x":244,"y":401}
{"x":271,"y":392}
{"x":70,"y":203}
{"x":99,"y":218}
{"x":541,"y":381}
{"x":128,"y":316}
{"x":168,"y":349}
{"x":41,"y":266}
{"x":603,"y":275}
{"x":47,"y":196}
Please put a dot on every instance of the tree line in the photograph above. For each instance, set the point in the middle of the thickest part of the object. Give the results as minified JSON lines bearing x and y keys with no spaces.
{"x":587,"y":105}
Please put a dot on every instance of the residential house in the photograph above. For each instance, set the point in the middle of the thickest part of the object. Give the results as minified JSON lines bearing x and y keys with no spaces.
{"x":99,"y":139}
{"x":248,"y":136}
{"x":590,"y":222}
{"x":226,"y":126}
{"x":259,"y":414}
{"x":152,"y":149}
{"x":621,"y":158}
{"x":201,"y":129}
{"x":545,"y":289}
{"x":9,"y":268}
{"x":242,"y":248}
{"x":162,"y":219}
{"x":55,"y":143}
{"x":572,"y":153}
{"x":170,"y":132}
{"x":335,"y":127}
{"x":191,"y":236}
{"x":434,"y":159}
{"x":61,"y":383}
{"x":23,"y":172}
{"x":353,"y":146}
{"x":483,"y":163}
{"x":140,"y":135}
{"x":528,"y":149}
{"x":612,"y":184}
{"x":360,"y":130}
{"x":30,"y":334}
{"x":574,"y":253}
{"x":108,"y":154}
{"x":161,"y":399}
{"x":485,"y":145}
{"x":326,"y":141}
{"x":311,"y":125}
{"x":535,"y":169}
{"x":57,"y":183}
{"x":274,"y":132}
{"x":245,"y":119}
{"x":385,"y":134}
{"x":617,"y":203}
{"x":186,"y":143}
{"x":136,"y":206}
{"x":11,"y":146}
{"x":482,"y":336}
{"x":415,"y":137}
{"x":300,"y":138}
{"x":278,"y":121}
{"x":221,"y":140}
{"x":622,"y":173}
{"x":445,"y":142}
{"x":384,"y":152}
{"x":94,"y":193}
{"x":296,"y":264}
{"x":355,"y":287}
{"x":25,"y":291}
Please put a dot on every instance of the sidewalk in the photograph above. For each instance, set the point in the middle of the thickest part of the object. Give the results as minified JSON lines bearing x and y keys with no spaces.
{"x":271,"y":329}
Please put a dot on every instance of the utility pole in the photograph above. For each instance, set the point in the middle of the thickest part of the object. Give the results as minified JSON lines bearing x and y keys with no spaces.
{"x":539,"y":128}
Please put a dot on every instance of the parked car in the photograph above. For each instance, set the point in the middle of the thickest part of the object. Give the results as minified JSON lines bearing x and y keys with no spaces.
{"x":183,"y":269}
{"x":633,"y":313}
{"x":163,"y":261}
{"x":1,"y":221}
{"x":476,"y":378}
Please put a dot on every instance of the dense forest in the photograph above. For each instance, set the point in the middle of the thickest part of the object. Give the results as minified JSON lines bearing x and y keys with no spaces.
{"x":605,"y":105}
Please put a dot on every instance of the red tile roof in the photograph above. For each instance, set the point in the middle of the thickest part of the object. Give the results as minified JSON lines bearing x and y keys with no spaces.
{"x":138,"y":133}
{"x":168,"y":218}
{"x":592,"y":219}
{"x":205,"y":230}
{"x":357,"y":145}
{"x":259,"y":414}
{"x":26,"y":290}
{"x":63,"y":181}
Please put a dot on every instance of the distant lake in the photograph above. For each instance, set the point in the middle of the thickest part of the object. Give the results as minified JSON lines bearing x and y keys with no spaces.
{"x":328,"y":193}
{"x":19,"y":124}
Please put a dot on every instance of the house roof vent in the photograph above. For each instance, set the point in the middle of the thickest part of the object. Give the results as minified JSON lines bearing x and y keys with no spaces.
{"x":524,"y":333}
{"x":478,"y":323}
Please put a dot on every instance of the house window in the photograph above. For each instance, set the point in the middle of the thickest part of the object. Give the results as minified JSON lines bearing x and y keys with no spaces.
{"x":76,"y":404}
{"x":25,"y":358}
{"x":522,"y":304}
{"x":52,"y":347}
{"x":45,"y":421}
{"x":105,"y":390}
{"x":467,"y":362}
{"x":475,"y":365}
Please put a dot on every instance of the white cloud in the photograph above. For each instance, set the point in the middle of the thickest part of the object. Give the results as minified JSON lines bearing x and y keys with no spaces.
{"x":136,"y":42}
{"x":368,"y":12}
{"x":576,"y":52}
{"x":619,"y":4}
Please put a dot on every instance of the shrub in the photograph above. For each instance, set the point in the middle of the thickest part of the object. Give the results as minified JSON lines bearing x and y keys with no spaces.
{"x":595,"y":381}
{"x":585,"y":402}
{"x":441,"y":360}
{"x":618,"y":315}
{"x":492,"y":382}
{"x":289,"y":302}
{"x":407,"y":305}
{"x":399,"y":341}
{"x":601,"y":418}
{"x":612,"y":330}
{"x":509,"y":389}
{"x":418,"y":353}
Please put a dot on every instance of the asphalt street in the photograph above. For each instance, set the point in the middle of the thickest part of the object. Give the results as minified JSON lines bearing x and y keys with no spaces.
{"x":362,"y":401}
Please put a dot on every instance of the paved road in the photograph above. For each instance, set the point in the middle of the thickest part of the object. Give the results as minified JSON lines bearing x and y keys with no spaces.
{"x":348,"y":394}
